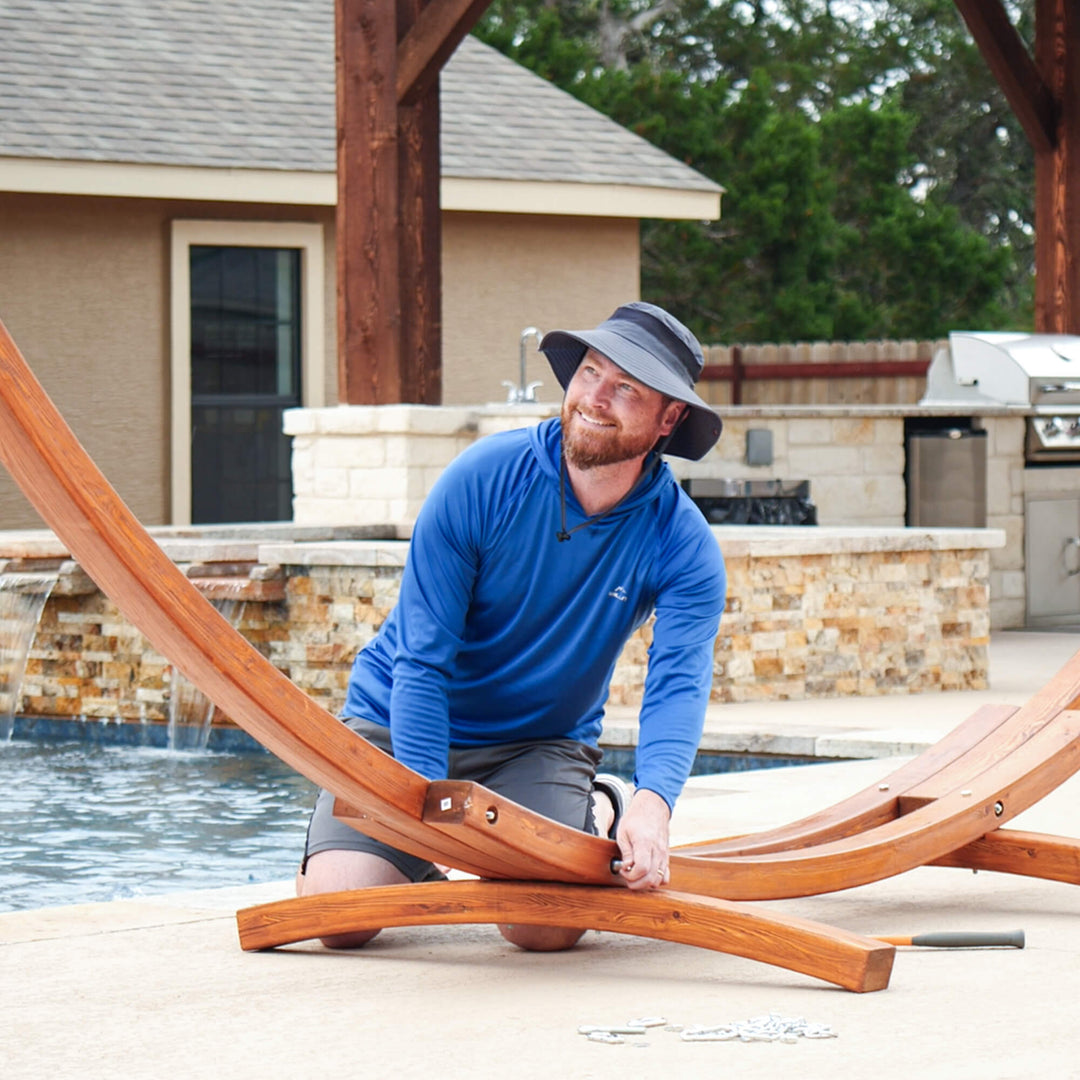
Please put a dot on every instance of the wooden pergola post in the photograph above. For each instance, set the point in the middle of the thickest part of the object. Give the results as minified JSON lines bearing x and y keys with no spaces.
{"x":389,"y":245}
{"x":1044,"y":92}
{"x":1057,"y":172}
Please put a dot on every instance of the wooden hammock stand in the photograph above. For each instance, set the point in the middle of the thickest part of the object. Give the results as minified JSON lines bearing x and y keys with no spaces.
{"x":945,"y":807}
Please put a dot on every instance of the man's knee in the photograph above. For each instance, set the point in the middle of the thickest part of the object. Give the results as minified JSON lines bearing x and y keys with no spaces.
{"x":541,"y":938}
{"x":342,"y":871}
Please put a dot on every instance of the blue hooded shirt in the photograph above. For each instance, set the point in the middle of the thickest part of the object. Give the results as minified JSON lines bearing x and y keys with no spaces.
{"x":501,"y":633}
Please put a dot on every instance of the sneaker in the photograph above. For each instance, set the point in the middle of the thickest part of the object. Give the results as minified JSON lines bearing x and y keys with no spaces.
{"x":618,"y":791}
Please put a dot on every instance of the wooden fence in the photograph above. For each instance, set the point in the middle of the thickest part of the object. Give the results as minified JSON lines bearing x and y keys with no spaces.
{"x":817,"y":373}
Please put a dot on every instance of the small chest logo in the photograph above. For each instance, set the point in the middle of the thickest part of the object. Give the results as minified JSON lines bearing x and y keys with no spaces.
{"x":619,"y":593}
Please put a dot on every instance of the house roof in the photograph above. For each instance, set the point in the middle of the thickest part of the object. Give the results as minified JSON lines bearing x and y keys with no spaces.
{"x":249,"y":85}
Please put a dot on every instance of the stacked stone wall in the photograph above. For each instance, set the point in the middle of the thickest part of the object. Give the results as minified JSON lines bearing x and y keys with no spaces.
{"x":815,"y":623}
{"x":837,"y":625}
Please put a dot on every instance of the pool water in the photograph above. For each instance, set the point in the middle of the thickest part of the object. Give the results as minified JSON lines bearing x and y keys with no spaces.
{"x":97,"y":819}
{"x":84,"y":822}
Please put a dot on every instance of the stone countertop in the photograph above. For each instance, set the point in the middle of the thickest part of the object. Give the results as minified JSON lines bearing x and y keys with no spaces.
{"x":216,"y":543}
{"x":31,"y":544}
{"x":735,"y":541}
{"x":449,"y":419}
{"x":772,"y":540}
{"x":339,"y":553}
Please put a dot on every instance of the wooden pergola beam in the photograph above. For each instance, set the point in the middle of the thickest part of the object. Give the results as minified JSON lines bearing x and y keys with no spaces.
{"x":369,"y":307}
{"x":1015,"y":71}
{"x":389,"y":240}
{"x":430,"y":41}
{"x":389,"y":244}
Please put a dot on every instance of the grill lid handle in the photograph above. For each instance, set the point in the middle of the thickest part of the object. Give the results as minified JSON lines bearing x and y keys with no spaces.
{"x":1071,"y":544}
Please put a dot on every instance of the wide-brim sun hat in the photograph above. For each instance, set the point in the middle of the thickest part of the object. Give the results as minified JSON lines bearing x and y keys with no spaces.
{"x":655,"y":348}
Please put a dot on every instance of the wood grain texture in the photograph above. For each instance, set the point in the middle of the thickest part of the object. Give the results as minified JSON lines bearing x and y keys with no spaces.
{"x":848,"y":960}
{"x":975,"y":806}
{"x":76,"y":501}
{"x":943,"y":808}
{"x":1014,"y":851}
{"x":873,"y":805}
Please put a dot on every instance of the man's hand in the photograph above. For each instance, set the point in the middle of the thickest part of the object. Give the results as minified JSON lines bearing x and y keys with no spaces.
{"x":643,"y":841}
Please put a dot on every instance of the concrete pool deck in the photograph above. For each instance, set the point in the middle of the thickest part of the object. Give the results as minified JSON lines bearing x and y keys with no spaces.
{"x":159,"y":987}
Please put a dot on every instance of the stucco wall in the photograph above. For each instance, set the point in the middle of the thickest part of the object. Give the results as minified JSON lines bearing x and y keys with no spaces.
{"x":505,"y":272}
{"x":81,"y":291}
{"x":84,"y":290}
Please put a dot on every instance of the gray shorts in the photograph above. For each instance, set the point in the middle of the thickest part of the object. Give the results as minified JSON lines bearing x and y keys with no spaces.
{"x":553,"y":777}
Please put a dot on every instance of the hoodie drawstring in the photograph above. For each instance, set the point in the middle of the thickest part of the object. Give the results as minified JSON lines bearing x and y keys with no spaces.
{"x":564,"y":533}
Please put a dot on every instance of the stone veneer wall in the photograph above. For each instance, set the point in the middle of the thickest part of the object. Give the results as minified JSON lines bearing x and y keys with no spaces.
{"x":811,"y":613}
{"x":88,"y":662}
{"x":877,"y":616}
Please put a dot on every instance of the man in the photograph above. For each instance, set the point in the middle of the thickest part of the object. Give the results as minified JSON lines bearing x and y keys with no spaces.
{"x":535,"y":557}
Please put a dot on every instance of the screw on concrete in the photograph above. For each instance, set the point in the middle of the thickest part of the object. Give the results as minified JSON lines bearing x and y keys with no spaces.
{"x":771,"y":1027}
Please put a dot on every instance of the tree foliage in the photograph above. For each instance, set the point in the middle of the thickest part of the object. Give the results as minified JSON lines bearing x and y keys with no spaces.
{"x":876,"y":182}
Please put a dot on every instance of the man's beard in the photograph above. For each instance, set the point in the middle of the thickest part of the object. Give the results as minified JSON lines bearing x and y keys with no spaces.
{"x":588,"y":449}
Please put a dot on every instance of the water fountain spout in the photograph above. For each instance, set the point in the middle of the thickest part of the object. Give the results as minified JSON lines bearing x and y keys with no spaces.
{"x":191,"y":713}
{"x":22,"y":600}
{"x":523,"y":392}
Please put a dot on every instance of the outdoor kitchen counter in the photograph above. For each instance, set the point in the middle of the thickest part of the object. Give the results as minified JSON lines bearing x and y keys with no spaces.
{"x":736,"y":541}
{"x":825,"y":612}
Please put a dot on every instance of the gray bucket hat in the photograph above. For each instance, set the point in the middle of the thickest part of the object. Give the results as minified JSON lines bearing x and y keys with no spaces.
{"x":657,"y":350}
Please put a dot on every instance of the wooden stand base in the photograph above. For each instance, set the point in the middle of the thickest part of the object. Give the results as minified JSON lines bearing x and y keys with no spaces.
{"x":847,"y":960}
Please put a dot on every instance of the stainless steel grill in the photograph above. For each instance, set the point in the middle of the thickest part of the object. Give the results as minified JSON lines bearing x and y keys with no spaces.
{"x":1039,"y":372}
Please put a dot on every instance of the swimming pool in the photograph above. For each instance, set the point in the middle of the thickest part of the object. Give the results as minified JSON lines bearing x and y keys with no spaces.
{"x":88,"y":822}
{"x":107,"y":817}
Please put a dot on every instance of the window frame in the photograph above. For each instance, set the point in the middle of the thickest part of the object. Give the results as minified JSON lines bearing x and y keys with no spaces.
{"x":309,"y":239}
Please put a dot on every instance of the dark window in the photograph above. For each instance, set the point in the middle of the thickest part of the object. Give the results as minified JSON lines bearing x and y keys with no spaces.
{"x":245,"y":371}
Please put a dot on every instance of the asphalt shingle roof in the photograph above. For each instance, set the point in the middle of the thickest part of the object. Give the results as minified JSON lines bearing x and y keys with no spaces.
{"x":250,"y":84}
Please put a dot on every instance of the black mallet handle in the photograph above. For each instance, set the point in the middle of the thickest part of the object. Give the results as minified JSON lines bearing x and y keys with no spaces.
{"x":961,"y":939}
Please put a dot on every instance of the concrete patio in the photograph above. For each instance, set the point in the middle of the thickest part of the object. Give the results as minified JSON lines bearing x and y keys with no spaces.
{"x":159,"y":987}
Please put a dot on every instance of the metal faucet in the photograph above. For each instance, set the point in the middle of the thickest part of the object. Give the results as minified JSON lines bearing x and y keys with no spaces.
{"x":522,"y":393}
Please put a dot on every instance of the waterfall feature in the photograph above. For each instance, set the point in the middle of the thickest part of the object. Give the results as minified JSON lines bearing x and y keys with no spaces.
{"x":190,"y":711}
{"x":22,"y":599}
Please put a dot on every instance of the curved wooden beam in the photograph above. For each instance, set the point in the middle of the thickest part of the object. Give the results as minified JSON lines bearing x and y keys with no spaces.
{"x":970,"y":810}
{"x":1013,"y":851}
{"x":872,"y":806}
{"x":955,"y":797}
{"x":847,"y":960}
{"x":73,"y":497}
{"x":1006,"y":776}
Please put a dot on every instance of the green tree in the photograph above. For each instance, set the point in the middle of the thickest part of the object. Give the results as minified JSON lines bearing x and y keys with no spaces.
{"x":970,"y":149}
{"x":904,"y":267}
{"x":874,"y":184}
{"x":767,"y":263}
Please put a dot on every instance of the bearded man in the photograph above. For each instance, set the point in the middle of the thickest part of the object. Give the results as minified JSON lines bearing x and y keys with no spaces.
{"x":535,"y":557}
